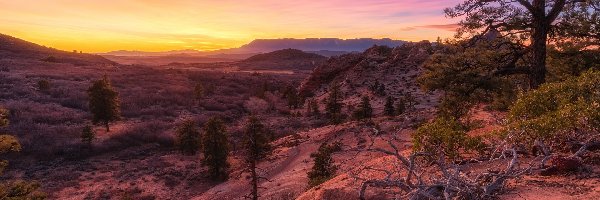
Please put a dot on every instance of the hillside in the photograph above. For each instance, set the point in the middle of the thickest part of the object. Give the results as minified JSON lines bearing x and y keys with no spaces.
{"x":285,"y":59}
{"x":378,"y":72}
{"x":15,"y":48}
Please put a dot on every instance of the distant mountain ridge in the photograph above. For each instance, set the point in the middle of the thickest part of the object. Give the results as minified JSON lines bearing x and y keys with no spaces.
{"x":322,"y":46}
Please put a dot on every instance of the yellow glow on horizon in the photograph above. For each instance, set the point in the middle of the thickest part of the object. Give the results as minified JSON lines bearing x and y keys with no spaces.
{"x":155,"y":25}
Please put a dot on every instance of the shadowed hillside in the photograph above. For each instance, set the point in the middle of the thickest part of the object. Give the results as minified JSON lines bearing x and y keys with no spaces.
{"x":15,"y":48}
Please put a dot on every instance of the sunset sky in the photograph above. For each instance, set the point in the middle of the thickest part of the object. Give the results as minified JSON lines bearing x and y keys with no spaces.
{"x":159,"y":25}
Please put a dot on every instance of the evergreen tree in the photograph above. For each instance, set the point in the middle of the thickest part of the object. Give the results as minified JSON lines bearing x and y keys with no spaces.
{"x":333,"y":106}
{"x":104,"y":102}
{"x":292,"y":98}
{"x":188,"y":138}
{"x":389,"y":109}
{"x":323,"y":168}
{"x":88,"y":135}
{"x":364,"y":111}
{"x":401,"y":106}
{"x":257,"y":147}
{"x":199,"y":91}
{"x":215,"y":149}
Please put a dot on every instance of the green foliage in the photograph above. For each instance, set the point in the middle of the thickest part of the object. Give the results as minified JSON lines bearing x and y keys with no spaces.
{"x":21,"y":190}
{"x":569,"y":59}
{"x":445,"y":135}
{"x":43,"y":85}
{"x":333,"y":105}
{"x":256,"y":140}
{"x":104,"y":102}
{"x":364,"y":111}
{"x":468,"y":74}
{"x":88,"y":135}
{"x":388,"y":108}
{"x":14,"y":189}
{"x":556,"y":112}
{"x":188,"y":138}
{"x":323,"y":168}
{"x":215,"y":149}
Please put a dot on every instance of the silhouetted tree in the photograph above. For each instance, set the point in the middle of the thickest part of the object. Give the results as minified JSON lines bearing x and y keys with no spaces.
{"x":215,"y":149}
{"x":323,"y":168}
{"x":532,"y":20}
{"x":104,"y":102}
{"x":257,"y":148}
{"x":188,"y":137}
{"x":88,"y":135}
{"x":364,"y":111}
{"x":333,"y":105}
{"x":388,"y":108}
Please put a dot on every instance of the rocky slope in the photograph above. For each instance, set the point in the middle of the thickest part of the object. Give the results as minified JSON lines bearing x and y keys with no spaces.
{"x":378,"y":72}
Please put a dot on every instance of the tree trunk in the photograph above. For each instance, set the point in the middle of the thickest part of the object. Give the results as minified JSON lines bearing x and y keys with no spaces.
{"x":539,"y":39}
{"x":254,"y":180}
{"x":107,"y":127}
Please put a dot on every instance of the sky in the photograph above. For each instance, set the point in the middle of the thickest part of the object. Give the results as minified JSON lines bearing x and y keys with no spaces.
{"x":161,"y":25}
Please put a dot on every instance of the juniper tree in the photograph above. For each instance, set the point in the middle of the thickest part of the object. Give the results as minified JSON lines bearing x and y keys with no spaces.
{"x":104,"y":102}
{"x":333,"y":105}
{"x":293,"y":99}
{"x":257,"y":148}
{"x":215,"y":149}
{"x":388,"y":108}
{"x":323,"y":168}
{"x":312,"y":108}
{"x":188,"y":137}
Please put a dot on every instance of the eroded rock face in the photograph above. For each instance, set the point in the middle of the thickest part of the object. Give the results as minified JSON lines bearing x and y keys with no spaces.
{"x":395,"y":69}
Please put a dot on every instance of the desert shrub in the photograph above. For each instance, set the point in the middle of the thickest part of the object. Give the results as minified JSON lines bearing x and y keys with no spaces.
{"x":149,"y":132}
{"x":188,"y":138}
{"x":446,"y":135}
{"x":323,"y":168}
{"x":199,"y":91}
{"x":43,"y":85}
{"x":558,"y":112}
{"x":312,"y":108}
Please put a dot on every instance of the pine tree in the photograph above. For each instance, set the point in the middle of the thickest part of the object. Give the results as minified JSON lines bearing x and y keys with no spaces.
{"x":104,"y":102}
{"x":333,"y":106}
{"x":215,"y":149}
{"x":323,"y":168}
{"x":88,"y":135}
{"x":389,"y":109}
{"x":292,"y":98}
{"x":257,"y":147}
{"x":188,"y":138}
{"x":401,"y":106}
{"x":364,"y":111}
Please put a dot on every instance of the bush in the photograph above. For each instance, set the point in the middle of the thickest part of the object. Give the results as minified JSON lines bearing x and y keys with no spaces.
{"x":445,"y":135}
{"x":43,"y":85}
{"x":557,"y":112}
{"x":88,"y":135}
{"x":323,"y":168}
